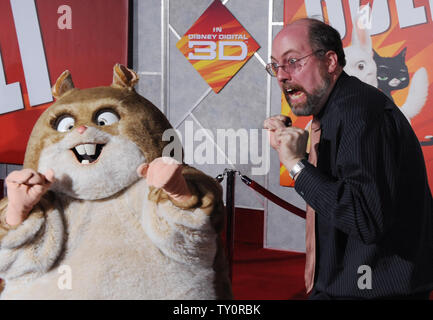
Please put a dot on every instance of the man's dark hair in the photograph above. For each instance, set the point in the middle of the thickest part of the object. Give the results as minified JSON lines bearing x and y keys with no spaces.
{"x":323,"y":36}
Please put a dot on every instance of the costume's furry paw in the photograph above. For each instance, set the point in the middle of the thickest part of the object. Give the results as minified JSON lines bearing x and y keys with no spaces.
{"x":166,"y":173}
{"x":25,"y":189}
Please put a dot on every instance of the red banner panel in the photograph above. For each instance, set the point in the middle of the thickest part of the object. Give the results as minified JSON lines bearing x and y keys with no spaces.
{"x":40,"y":39}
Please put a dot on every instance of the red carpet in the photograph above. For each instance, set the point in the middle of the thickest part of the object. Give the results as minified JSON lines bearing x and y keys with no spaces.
{"x":263,"y":274}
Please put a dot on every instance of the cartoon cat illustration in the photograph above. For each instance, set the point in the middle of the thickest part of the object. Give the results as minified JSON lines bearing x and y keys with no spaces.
{"x":104,"y":204}
{"x":360,"y":63}
{"x":392,"y":72}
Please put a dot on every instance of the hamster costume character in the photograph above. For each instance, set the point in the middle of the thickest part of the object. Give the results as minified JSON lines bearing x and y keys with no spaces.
{"x":96,"y":213}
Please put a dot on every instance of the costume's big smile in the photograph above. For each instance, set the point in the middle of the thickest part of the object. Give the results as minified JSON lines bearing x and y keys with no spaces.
{"x":87,"y":153}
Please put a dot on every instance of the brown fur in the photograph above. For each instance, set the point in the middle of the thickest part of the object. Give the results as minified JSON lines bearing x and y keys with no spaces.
{"x":143,"y":124}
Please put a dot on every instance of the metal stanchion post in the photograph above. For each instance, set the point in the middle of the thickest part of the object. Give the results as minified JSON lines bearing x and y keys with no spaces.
{"x":230,"y":207}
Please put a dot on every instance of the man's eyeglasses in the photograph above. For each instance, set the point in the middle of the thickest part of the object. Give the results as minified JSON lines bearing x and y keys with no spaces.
{"x":291,"y":66}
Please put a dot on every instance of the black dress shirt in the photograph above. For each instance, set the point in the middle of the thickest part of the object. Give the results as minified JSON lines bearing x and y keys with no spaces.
{"x":371,"y":195}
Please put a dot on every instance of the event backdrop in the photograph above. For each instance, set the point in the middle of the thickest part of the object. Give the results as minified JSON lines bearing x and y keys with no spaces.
{"x":217,"y":45}
{"x":40,"y":39}
{"x":390,"y":46}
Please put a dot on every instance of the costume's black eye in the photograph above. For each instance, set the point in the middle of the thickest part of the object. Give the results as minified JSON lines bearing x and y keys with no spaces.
{"x":64,"y":123}
{"x":106,"y":117}
{"x":361,"y":66}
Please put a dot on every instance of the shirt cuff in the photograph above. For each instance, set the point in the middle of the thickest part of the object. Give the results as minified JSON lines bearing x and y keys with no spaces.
{"x":307,"y":182}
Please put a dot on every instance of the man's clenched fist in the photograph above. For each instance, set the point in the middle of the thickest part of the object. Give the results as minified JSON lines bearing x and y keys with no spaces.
{"x":289,"y":142}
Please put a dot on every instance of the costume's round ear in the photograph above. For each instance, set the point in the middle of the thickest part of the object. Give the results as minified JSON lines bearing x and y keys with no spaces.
{"x":63,"y":84}
{"x":124,"y":77}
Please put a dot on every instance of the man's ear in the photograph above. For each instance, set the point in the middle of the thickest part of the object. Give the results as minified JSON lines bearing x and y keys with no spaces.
{"x":331,"y":59}
{"x":63,"y":84}
{"x":124,"y":77}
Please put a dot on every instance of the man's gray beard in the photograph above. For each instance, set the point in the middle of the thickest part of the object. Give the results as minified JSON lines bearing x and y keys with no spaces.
{"x":314,"y":101}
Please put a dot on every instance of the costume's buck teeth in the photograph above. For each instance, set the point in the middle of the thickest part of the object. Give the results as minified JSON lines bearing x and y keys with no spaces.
{"x":85,"y":162}
{"x":88,"y":148}
{"x":80,"y":149}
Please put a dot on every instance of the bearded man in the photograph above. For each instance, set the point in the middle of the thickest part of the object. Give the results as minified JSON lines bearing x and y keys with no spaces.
{"x":369,"y":206}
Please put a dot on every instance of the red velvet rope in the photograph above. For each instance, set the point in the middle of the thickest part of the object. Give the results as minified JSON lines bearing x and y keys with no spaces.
{"x":274,"y":198}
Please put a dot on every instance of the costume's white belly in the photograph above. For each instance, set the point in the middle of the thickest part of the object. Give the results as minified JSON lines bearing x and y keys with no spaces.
{"x":109,"y":256}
